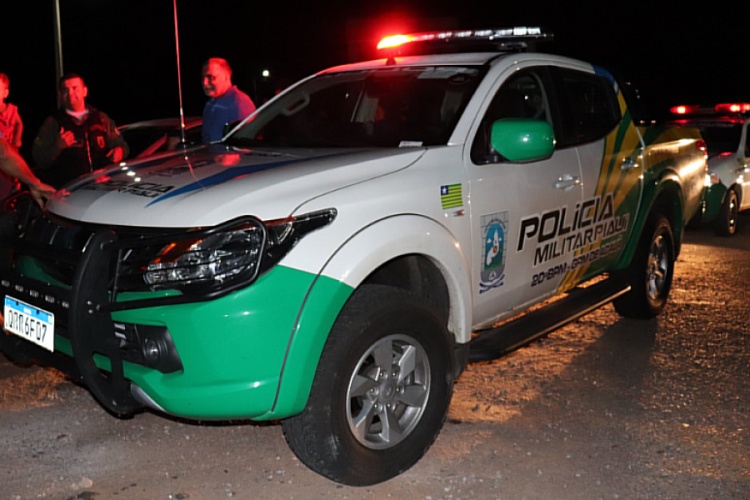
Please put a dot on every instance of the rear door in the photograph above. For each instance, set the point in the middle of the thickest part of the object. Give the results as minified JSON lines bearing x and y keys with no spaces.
{"x":595,"y":120}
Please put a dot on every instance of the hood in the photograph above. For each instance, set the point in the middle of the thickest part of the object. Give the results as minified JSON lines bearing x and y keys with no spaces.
{"x":213,"y":184}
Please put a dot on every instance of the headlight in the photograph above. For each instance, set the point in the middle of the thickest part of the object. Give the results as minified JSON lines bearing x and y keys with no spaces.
{"x":220,"y":259}
{"x":215,"y":258}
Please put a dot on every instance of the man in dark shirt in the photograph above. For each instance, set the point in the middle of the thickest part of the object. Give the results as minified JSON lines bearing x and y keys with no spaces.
{"x":76,"y":139}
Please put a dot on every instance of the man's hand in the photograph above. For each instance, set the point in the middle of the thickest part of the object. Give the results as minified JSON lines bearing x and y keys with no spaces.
{"x":67,"y":137}
{"x":116,"y":154}
{"x":41,"y":192}
{"x":13,"y":164}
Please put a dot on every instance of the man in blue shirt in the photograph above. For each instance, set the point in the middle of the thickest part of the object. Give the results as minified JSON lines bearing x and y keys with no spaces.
{"x":227,"y":103}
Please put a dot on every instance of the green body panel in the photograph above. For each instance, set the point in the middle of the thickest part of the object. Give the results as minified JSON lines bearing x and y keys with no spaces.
{"x":322,"y":307}
{"x":29,"y":267}
{"x":233,"y":348}
{"x":714,"y":199}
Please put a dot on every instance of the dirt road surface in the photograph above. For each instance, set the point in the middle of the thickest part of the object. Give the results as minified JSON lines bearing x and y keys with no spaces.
{"x":603,"y":408}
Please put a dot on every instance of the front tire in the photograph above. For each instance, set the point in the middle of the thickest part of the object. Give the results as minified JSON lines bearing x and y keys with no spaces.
{"x":381,"y":391}
{"x":726,"y":221}
{"x":650,"y":272}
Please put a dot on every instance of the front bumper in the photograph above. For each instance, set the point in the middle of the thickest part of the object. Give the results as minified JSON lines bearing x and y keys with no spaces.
{"x":215,"y":358}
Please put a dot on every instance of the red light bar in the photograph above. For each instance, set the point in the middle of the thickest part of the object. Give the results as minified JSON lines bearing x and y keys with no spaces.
{"x":733,"y":107}
{"x":684,"y":109}
{"x":393,"y":41}
{"x":519,"y":33}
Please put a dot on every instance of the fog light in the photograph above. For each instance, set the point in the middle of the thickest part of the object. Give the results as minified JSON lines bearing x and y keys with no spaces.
{"x":151,"y":351}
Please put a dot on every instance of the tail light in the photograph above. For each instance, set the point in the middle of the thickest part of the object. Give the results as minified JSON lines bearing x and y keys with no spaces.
{"x":702,"y":147}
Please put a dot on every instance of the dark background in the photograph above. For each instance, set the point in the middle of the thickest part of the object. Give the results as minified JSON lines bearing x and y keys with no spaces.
{"x":125,"y":50}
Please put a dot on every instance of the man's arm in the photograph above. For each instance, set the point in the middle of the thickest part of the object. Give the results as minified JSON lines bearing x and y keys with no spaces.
{"x":245,"y":105}
{"x":18,"y":131}
{"x":48,"y":144}
{"x":115,"y":141}
{"x":13,"y":164}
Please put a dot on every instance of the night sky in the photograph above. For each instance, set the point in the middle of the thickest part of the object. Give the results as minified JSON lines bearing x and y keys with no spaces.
{"x":125,"y":50}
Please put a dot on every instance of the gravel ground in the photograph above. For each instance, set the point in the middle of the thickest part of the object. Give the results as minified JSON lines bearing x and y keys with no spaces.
{"x":603,"y":408}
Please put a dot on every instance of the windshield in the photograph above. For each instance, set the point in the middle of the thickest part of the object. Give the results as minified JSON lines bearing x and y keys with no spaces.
{"x":384,"y":107}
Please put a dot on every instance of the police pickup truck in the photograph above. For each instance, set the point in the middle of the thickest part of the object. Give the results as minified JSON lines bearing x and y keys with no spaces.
{"x":341,"y":255}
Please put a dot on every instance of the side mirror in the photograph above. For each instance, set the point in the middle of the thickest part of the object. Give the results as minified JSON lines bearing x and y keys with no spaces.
{"x":522,"y":139}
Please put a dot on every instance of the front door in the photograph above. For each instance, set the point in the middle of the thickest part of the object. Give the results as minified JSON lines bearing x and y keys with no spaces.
{"x":520,"y":212}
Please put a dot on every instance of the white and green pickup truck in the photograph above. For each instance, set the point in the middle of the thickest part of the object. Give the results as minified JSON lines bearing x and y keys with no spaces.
{"x":341,"y":255}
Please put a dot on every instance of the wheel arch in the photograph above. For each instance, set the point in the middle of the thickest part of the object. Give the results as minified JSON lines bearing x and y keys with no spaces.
{"x":670,"y":203}
{"x":667,"y":200}
{"x":408,"y":251}
{"x":737,"y":190}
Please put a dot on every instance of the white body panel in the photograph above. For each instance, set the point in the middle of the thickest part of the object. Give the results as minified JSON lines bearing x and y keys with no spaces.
{"x":734,"y":168}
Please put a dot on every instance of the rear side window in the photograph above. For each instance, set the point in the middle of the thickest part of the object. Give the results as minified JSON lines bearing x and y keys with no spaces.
{"x":589,"y":108}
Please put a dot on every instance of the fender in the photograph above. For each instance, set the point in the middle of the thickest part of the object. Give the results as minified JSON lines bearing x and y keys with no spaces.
{"x":674,"y":181}
{"x":662,"y":193}
{"x":351,"y":264}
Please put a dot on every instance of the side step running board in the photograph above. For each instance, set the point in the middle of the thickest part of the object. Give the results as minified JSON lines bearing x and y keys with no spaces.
{"x":496,"y":342}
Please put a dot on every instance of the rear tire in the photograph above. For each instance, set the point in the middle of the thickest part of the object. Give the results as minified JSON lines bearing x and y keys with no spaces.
{"x":650,"y":272}
{"x":726,"y":221}
{"x":381,"y":391}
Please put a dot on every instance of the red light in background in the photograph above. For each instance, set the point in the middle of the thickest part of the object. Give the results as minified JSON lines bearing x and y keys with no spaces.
{"x":702,"y":147}
{"x":733,"y":107}
{"x":684,"y":109}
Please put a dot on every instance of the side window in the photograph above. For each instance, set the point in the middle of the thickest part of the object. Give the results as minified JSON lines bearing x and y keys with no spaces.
{"x":589,"y":107}
{"x":522,"y":96}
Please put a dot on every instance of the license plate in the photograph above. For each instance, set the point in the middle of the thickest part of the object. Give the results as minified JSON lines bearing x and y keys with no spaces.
{"x":25,"y":320}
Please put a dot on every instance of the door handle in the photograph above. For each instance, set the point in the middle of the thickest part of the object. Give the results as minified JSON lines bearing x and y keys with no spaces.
{"x":628,"y":163}
{"x":567,"y":182}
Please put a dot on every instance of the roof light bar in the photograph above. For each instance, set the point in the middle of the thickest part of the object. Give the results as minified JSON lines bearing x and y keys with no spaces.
{"x":684,"y":109}
{"x":733,"y":107}
{"x":723,"y":108}
{"x":496,"y":36}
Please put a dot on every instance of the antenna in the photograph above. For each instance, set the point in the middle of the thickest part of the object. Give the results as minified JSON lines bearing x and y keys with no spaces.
{"x":179,"y":73}
{"x":58,"y":53}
